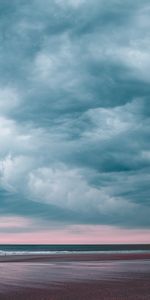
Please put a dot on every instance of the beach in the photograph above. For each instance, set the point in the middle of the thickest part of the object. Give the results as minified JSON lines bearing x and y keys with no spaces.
{"x":118,"y":276}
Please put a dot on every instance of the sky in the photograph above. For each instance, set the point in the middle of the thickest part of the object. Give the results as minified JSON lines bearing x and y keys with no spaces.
{"x":74,"y":121}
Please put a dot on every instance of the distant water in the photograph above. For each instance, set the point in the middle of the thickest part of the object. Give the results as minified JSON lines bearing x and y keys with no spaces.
{"x":62,"y":249}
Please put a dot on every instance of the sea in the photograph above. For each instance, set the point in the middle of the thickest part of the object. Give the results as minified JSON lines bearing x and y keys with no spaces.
{"x":62,"y":249}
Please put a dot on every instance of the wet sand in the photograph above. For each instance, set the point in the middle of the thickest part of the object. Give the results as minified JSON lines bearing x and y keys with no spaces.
{"x":75,"y":277}
{"x":75,"y":257}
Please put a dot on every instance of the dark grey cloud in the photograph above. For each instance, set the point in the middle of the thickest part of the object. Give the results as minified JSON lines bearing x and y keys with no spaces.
{"x":74,"y":111}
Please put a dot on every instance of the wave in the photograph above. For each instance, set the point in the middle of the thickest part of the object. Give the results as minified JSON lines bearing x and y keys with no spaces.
{"x":13,"y":253}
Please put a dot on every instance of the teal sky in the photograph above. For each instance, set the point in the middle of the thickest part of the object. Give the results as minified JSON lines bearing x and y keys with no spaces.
{"x":74,"y":117}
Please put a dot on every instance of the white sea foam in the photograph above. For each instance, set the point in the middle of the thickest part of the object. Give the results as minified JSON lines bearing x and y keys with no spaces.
{"x":12,"y":253}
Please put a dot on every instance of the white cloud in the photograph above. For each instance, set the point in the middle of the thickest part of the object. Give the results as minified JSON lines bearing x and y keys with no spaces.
{"x":137,"y":59}
{"x":72,"y":3}
{"x":56,"y":66}
{"x":9,"y":99}
{"x":15,"y":138}
{"x":13,"y":172}
{"x":126,"y":46}
{"x":67,"y":188}
{"x":109,"y":122}
{"x":145,"y":154}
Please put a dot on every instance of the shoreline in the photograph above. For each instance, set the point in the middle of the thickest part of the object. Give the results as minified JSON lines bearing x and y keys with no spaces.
{"x":74,"y":257}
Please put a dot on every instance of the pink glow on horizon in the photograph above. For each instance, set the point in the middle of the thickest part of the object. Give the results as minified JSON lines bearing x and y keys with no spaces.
{"x":79,"y":234}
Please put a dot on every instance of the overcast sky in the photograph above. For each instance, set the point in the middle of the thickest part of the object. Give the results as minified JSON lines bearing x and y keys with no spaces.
{"x":74,"y":120}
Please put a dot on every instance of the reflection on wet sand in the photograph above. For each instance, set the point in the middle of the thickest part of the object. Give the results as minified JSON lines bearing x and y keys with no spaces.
{"x":43,"y":276}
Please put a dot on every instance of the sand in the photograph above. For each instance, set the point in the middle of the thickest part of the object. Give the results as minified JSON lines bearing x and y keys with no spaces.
{"x":76,"y":277}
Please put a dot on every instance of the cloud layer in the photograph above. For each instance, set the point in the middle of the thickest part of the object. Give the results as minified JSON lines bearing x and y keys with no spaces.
{"x":74,"y":113}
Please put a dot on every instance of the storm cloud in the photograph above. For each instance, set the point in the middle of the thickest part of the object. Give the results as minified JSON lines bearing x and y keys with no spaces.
{"x":74,"y":112}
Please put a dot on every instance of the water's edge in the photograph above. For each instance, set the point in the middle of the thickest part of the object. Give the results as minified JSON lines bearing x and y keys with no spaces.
{"x":7,"y":250}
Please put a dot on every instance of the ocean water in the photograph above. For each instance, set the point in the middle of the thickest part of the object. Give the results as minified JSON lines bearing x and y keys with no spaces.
{"x":62,"y":249}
